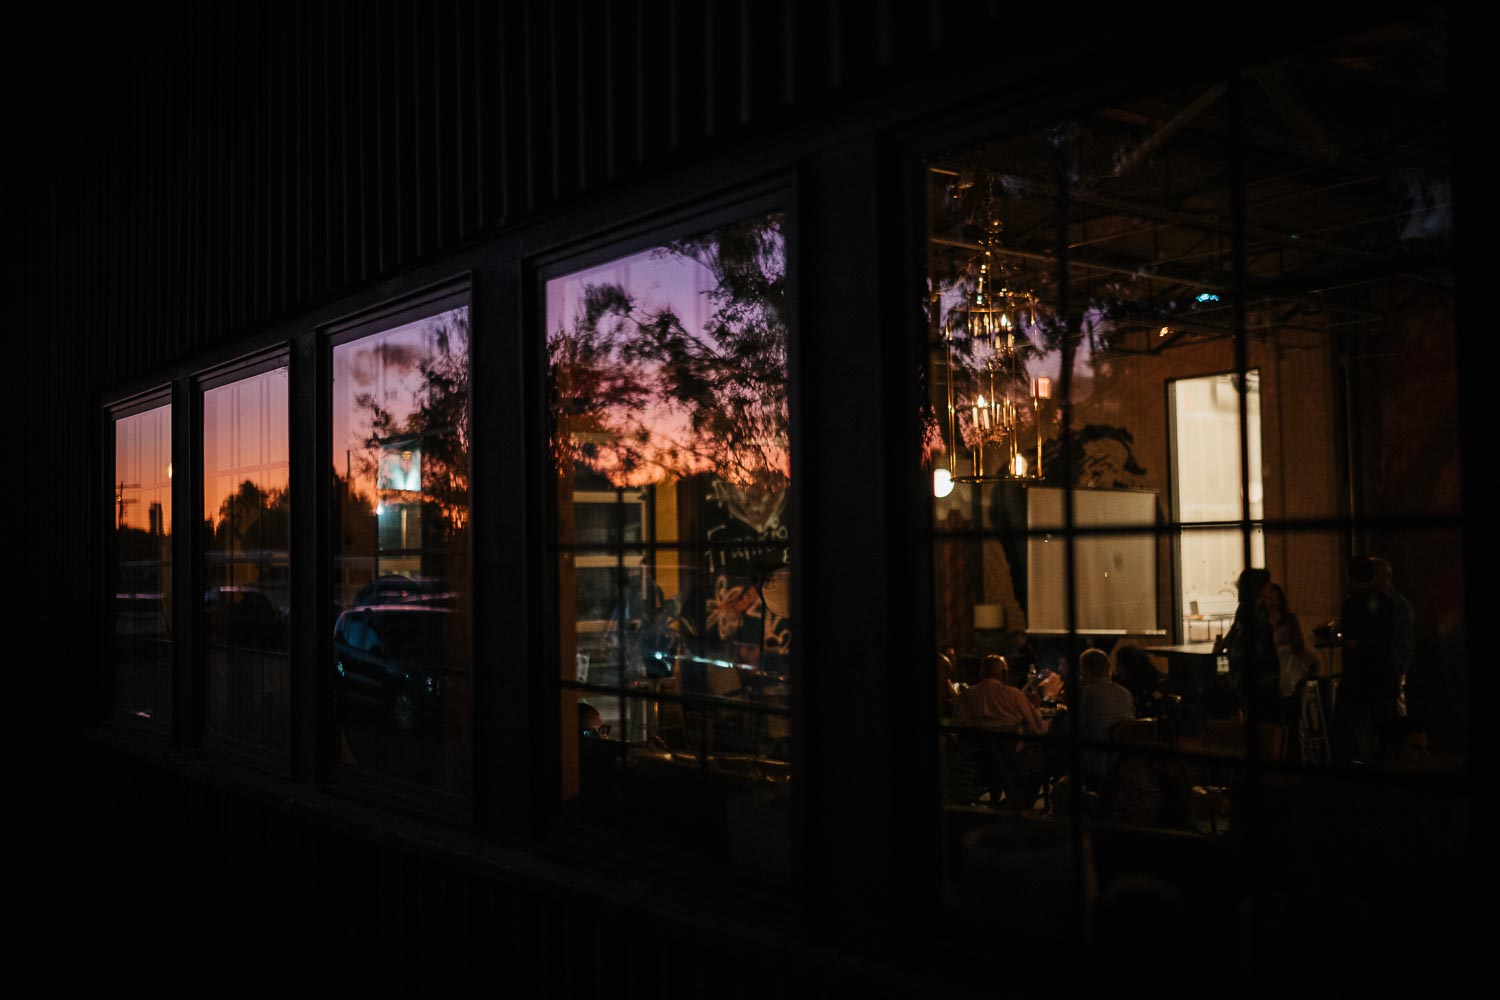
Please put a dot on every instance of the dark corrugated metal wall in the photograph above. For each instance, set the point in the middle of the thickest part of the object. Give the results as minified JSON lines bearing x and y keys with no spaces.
{"x":228,"y":165}
{"x":202,"y":170}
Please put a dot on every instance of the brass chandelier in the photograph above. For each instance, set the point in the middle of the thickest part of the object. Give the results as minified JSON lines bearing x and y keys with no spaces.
{"x":985,"y":416}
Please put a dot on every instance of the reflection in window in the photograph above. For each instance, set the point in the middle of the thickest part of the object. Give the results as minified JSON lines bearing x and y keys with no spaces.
{"x":246,"y":560}
{"x":401,"y":564}
{"x":142,"y":520}
{"x":667,"y":371}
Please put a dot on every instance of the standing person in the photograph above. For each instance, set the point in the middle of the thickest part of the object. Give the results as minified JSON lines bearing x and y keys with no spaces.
{"x":1404,"y":632}
{"x":1251,"y":645}
{"x":1370,"y":686}
{"x":1286,"y":633}
{"x":1296,"y":660}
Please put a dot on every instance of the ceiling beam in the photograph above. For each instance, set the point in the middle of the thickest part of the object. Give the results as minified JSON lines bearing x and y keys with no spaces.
{"x":1179,"y":121}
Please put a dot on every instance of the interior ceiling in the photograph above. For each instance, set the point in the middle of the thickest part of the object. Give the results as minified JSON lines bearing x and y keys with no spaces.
{"x":1345,"y":164}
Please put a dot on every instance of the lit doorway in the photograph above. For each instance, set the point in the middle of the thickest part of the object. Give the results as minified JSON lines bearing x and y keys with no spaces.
{"x":1207,"y":498}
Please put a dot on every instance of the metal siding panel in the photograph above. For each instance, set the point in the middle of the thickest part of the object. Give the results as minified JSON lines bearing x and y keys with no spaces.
{"x":653,"y":81}
{"x":549,"y":31}
{"x":466,"y":212}
{"x":588,"y":96}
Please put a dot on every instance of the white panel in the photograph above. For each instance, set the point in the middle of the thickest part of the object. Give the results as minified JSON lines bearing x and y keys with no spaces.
{"x":1114,"y":575}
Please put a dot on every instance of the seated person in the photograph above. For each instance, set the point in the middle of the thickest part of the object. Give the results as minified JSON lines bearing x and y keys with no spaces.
{"x":1018,"y":772}
{"x":994,"y":702}
{"x":1101,"y":704}
{"x":1137,"y":672}
{"x":965,"y":670}
{"x":591,"y":723}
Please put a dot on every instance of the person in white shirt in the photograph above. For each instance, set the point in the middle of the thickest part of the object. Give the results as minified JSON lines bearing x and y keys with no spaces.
{"x":1102,"y":704}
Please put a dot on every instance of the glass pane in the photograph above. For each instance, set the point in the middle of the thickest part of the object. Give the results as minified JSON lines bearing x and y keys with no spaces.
{"x":1074,"y":272}
{"x":401,"y":564}
{"x":1206,"y":443}
{"x":1209,"y":564}
{"x":1351,"y":211}
{"x":143,"y":617}
{"x":246,"y":560}
{"x":668,"y":373}
{"x":1328,"y":201}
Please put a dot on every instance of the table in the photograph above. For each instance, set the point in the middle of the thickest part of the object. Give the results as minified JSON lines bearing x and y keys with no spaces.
{"x":1191,"y":668}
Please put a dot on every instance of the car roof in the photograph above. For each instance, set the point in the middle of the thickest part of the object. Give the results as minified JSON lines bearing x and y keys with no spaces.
{"x":399,"y":608}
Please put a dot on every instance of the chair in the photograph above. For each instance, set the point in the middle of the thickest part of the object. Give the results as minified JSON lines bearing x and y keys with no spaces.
{"x":1133,"y":731}
{"x":993,"y":753}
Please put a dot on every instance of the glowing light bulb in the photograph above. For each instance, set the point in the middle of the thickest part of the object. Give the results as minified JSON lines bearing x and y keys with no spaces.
{"x":1018,"y":465}
{"x":942,"y":483}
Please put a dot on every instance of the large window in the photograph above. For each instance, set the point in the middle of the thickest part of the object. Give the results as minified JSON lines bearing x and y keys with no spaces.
{"x":401,"y":636}
{"x":667,"y":371}
{"x":141,"y":519}
{"x":247,"y":580}
{"x":1192,"y":445}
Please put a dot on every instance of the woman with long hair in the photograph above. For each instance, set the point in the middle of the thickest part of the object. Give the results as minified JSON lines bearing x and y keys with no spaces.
{"x":1251,"y":644}
{"x":1291,"y":645}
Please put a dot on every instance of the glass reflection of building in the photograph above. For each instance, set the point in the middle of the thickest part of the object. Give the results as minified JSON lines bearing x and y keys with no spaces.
{"x":143,"y":632}
{"x":247,"y":571}
{"x":400,"y":648}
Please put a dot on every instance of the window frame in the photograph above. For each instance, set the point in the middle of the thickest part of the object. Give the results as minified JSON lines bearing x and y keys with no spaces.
{"x":1246,"y":526}
{"x":110,"y":416}
{"x":1349,"y":523}
{"x":330,"y":772}
{"x":277,"y":762}
{"x":775,"y":192}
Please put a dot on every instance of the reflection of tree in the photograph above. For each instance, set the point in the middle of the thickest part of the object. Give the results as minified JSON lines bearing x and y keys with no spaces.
{"x":639,"y":395}
{"x":251,"y":518}
{"x":438,"y":419}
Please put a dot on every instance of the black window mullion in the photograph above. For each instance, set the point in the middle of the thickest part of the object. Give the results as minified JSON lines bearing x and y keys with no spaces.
{"x":1069,"y":332}
{"x":508,"y":637}
{"x":106,"y":692}
{"x":1248,"y":791}
{"x":187,"y":570}
{"x":622,"y":597}
{"x":308,"y":451}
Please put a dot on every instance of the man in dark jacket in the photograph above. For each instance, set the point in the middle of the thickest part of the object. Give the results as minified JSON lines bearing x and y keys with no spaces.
{"x":1370,"y":685}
